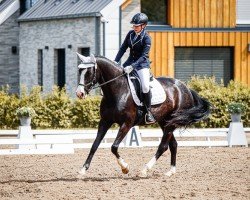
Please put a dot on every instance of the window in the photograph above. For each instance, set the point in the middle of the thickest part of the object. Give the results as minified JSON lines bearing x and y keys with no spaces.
{"x":243,"y":14}
{"x":204,"y":61}
{"x":40,"y":67}
{"x":155,"y":10}
{"x":83,"y":51}
{"x":26,"y":5}
{"x":59,"y":69}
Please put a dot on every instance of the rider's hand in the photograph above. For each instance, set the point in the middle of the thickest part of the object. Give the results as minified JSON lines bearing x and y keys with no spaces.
{"x":128,"y":69}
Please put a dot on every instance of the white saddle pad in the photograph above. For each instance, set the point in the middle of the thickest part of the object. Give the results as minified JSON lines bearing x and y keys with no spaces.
{"x":158,"y":93}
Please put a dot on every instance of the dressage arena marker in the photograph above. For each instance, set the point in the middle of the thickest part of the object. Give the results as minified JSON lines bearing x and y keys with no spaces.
{"x":27,"y":141}
{"x":236,"y":134}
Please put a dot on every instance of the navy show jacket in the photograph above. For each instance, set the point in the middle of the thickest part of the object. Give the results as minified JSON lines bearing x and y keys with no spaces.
{"x":139,"y":50}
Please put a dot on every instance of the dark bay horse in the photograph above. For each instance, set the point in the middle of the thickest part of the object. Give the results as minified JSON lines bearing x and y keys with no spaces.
{"x":182,"y":107}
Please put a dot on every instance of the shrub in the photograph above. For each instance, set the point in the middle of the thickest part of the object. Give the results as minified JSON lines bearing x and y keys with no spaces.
{"x":58,"y":110}
{"x":85,"y":113}
{"x":220,"y":97}
{"x":8,"y":107}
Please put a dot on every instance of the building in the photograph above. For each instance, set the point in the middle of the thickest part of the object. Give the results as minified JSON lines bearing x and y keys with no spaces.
{"x":189,"y":37}
{"x":200,"y":37}
{"x":9,"y":42}
{"x":48,"y":35}
{"x":51,"y":33}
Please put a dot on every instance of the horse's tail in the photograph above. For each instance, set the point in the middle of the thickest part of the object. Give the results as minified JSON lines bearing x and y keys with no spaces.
{"x":186,"y":117}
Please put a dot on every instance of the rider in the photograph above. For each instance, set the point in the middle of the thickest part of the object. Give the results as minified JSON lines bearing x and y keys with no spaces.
{"x":139,"y":43}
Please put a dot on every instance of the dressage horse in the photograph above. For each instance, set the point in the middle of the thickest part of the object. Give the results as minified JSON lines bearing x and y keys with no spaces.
{"x":181,"y":108}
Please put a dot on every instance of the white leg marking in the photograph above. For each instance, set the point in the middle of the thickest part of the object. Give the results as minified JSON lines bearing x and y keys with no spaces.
{"x":171,"y":171}
{"x":151,"y":163}
{"x":148,"y":166}
{"x":124,"y":165}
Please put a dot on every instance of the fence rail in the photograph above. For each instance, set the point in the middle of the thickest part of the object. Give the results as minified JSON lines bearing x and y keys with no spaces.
{"x":66,"y":141}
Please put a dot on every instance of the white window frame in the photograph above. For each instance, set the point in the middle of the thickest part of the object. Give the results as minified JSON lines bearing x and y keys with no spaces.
{"x":243,"y":12}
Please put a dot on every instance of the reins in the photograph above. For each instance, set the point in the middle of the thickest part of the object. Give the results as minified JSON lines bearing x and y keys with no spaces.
{"x":105,"y":83}
{"x":108,"y":81}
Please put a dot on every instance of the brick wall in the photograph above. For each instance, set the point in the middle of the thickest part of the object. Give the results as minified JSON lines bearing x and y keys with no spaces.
{"x":55,"y":34}
{"x":9,"y":71}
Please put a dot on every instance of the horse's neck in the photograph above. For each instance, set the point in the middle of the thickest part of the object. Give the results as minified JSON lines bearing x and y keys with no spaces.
{"x":109,"y":71}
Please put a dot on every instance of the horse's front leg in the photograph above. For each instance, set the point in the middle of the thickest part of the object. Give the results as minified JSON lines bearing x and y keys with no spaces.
{"x":102,"y":130}
{"x":120,"y":136}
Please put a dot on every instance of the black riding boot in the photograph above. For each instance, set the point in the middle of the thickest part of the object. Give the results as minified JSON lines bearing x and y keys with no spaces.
{"x":149,"y":118}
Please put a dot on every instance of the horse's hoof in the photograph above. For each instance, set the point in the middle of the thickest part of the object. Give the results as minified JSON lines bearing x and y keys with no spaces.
{"x":144,"y":172}
{"x":169,"y":173}
{"x":82,"y":171}
{"x":125,"y":170}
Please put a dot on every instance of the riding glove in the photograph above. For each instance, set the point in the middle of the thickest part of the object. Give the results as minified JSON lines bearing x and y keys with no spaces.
{"x":128,"y":69}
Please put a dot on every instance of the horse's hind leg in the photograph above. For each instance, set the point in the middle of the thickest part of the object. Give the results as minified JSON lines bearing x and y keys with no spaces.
{"x":166,"y":138}
{"x":102,"y":130}
{"x":120,"y":136}
{"x":173,"y":150}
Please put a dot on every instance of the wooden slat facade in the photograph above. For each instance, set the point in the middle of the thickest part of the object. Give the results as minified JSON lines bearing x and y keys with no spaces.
{"x":202,"y":13}
{"x":163,"y":44}
{"x":206,"y":16}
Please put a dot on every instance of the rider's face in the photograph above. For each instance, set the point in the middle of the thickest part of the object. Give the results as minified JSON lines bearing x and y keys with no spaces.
{"x":138,"y":29}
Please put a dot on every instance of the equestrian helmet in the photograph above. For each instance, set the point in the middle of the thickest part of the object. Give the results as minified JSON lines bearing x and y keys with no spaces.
{"x":139,"y":19}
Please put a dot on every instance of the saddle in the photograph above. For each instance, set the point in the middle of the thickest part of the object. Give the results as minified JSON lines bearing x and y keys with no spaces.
{"x":158,"y":93}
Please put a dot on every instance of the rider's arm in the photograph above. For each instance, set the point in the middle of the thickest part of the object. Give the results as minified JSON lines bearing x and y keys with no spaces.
{"x":145,"y":52}
{"x":122,"y":49}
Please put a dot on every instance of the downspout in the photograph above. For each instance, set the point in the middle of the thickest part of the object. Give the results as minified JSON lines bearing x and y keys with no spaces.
{"x":120,"y":26}
{"x":104,"y":21}
{"x":97,"y":35}
{"x":103,"y":37}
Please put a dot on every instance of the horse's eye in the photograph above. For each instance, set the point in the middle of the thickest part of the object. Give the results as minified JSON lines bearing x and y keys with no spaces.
{"x":88,"y":73}
{"x":80,"y":71}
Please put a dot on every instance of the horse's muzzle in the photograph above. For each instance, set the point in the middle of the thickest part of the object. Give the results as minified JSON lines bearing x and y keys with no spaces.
{"x":80,"y":95}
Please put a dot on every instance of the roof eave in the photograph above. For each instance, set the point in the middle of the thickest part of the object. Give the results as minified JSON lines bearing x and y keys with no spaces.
{"x":95,"y":14}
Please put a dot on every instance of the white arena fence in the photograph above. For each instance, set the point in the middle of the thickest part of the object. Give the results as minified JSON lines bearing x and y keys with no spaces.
{"x":27,"y":141}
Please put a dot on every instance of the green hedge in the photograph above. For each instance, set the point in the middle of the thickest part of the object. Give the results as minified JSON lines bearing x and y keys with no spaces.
{"x":58,"y":110}
{"x":54,"y":110}
{"x":220,"y":97}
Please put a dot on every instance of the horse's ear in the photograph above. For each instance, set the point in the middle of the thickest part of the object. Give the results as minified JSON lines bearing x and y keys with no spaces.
{"x":83,"y":58}
{"x":92,"y":58}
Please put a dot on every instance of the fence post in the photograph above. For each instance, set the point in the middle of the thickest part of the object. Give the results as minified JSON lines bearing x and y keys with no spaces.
{"x":236,"y":134}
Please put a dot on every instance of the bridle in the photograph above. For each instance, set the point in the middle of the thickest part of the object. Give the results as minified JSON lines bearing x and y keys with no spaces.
{"x":93,"y":81}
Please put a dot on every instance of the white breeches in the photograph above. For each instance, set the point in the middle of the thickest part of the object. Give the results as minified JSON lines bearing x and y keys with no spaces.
{"x":144,"y":77}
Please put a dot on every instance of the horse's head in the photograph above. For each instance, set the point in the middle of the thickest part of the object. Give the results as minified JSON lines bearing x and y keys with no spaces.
{"x":87,"y":71}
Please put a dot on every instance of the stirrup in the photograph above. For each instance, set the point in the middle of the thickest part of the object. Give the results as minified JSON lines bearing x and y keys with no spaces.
{"x":149,"y":119}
